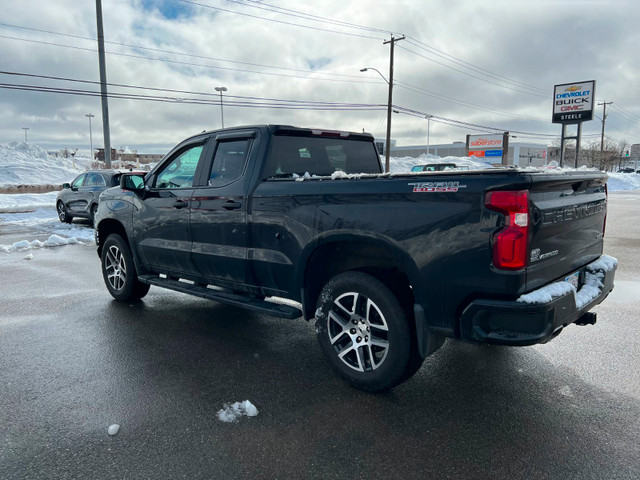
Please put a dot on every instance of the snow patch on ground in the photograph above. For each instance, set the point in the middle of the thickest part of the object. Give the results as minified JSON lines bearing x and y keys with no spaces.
{"x":45,"y":220}
{"x":233,"y":412}
{"x":52,"y":241}
{"x":26,"y":202}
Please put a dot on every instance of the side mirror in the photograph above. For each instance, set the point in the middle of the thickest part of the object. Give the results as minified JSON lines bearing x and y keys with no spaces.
{"x":66,"y":185}
{"x":132,"y":181}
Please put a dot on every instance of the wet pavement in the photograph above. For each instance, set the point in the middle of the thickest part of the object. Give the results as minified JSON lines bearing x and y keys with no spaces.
{"x":73,"y":362}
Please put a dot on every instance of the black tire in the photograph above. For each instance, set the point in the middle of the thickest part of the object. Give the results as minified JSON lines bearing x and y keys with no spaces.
{"x":365,"y":334}
{"x":92,"y":213}
{"x":119,"y":272}
{"x":63,"y":214}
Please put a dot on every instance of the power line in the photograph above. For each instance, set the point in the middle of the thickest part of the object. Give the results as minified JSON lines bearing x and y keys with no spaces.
{"x":278,"y":21}
{"x":473,"y":76}
{"x":417,"y":43}
{"x":625,"y":114}
{"x":470,"y":66}
{"x":178,"y":62}
{"x":249,"y":102}
{"x":633,"y":115}
{"x":307,"y":16}
{"x":160,"y":50}
{"x":170,"y":90}
{"x":439,"y":96}
{"x":252,"y":102}
{"x":403,"y":85}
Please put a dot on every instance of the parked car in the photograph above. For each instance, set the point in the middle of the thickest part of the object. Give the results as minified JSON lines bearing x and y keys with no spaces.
{"x":387,"y":266}
{"x":436,"y":167}
{"x":626,"y":170}
{"x":80,"y":197}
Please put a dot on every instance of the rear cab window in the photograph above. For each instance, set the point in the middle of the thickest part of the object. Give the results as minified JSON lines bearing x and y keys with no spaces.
{"x":292,"y":156}
{"x":229,"y":162}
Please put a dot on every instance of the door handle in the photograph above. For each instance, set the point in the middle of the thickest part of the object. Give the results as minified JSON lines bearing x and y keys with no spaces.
{"x":180,"y":204}
{"x":231,"y":205}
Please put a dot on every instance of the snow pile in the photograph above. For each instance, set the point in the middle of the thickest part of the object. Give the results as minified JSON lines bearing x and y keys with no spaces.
{"x":589,"y":291}
{"x":232,"y":413}
{"x":52,"y":241}
{"x":405,"y":164}
{"x":619,"y":182}
{"x":26,"y":202}
{"x":548,"y":293}
{"x":606,"y":263}
{"x":23,"y":163}
{"x":45,"y":220}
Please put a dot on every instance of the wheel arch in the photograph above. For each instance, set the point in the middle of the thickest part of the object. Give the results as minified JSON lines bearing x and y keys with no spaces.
{"x":379,"y":257}
{"x":105,"y":228}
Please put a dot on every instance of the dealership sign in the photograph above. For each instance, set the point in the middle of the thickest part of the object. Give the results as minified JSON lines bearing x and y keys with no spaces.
{"x":574,"y":102}
{"x":490,"y":147}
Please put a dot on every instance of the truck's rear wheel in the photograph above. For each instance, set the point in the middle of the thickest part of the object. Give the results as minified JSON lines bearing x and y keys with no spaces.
{"x":119,"y":271}
{"x":364,"y":332}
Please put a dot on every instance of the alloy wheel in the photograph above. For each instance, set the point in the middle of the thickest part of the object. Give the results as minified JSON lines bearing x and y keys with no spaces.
{"x":358,"y":332}
{"x":116,"y":268}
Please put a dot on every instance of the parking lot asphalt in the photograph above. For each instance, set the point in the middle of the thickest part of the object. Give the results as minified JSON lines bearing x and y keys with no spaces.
{"x":73,"y":362}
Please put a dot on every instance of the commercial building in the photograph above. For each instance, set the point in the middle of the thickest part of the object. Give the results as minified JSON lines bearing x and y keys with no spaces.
{"x":519,"y":154}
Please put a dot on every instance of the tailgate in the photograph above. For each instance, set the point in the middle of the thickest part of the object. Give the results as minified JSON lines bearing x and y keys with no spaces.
{"x":568,"y":215}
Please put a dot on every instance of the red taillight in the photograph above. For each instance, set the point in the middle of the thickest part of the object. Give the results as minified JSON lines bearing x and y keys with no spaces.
{"x":510,"y":245}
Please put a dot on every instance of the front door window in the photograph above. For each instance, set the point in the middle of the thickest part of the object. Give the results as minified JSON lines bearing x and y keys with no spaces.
{"x":179,"y":172}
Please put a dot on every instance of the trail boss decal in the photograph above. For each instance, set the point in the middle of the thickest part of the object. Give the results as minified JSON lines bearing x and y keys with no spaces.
{"x":426,"y":187}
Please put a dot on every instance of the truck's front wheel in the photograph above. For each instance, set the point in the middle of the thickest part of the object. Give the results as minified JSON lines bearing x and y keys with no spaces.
{"x":119,"y":271}
{"x":364,"y":332}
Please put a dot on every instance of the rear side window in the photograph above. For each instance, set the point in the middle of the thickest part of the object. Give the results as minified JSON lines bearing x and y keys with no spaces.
{"x":94,"y":180}
{"x":228,"y":162}
{"x":290,"y":156}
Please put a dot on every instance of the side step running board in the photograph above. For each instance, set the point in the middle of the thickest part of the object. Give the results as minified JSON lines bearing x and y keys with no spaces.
{"x":237,"y":300}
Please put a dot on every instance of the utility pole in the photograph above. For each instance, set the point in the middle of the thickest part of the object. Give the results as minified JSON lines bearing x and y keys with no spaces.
{"x":392,"y":43}
{"x":604,"y":117}
{"x":103,"y":87}
{"x":90,"y":116}
{"x":26,"y":129}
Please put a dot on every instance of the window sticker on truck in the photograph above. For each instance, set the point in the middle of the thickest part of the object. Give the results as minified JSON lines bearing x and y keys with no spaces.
{"x":436,"y":187}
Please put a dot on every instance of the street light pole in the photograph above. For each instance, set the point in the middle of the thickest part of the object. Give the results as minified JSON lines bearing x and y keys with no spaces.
{"x":392,"y":43}
{"x":221,"y":89}
{"x":428,"y":131}
{"x":90,"y":116}
{"x":388,"y":140}
{"x":25,"y":133}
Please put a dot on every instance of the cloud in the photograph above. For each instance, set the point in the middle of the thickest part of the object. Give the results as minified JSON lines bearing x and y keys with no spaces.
{"x":490,"y":63}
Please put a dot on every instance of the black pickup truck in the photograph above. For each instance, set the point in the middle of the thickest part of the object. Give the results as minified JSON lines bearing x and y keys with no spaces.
{"x":297,"y":222}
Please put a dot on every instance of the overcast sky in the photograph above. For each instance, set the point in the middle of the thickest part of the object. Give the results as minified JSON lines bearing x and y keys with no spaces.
{"x":490,"y":64}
